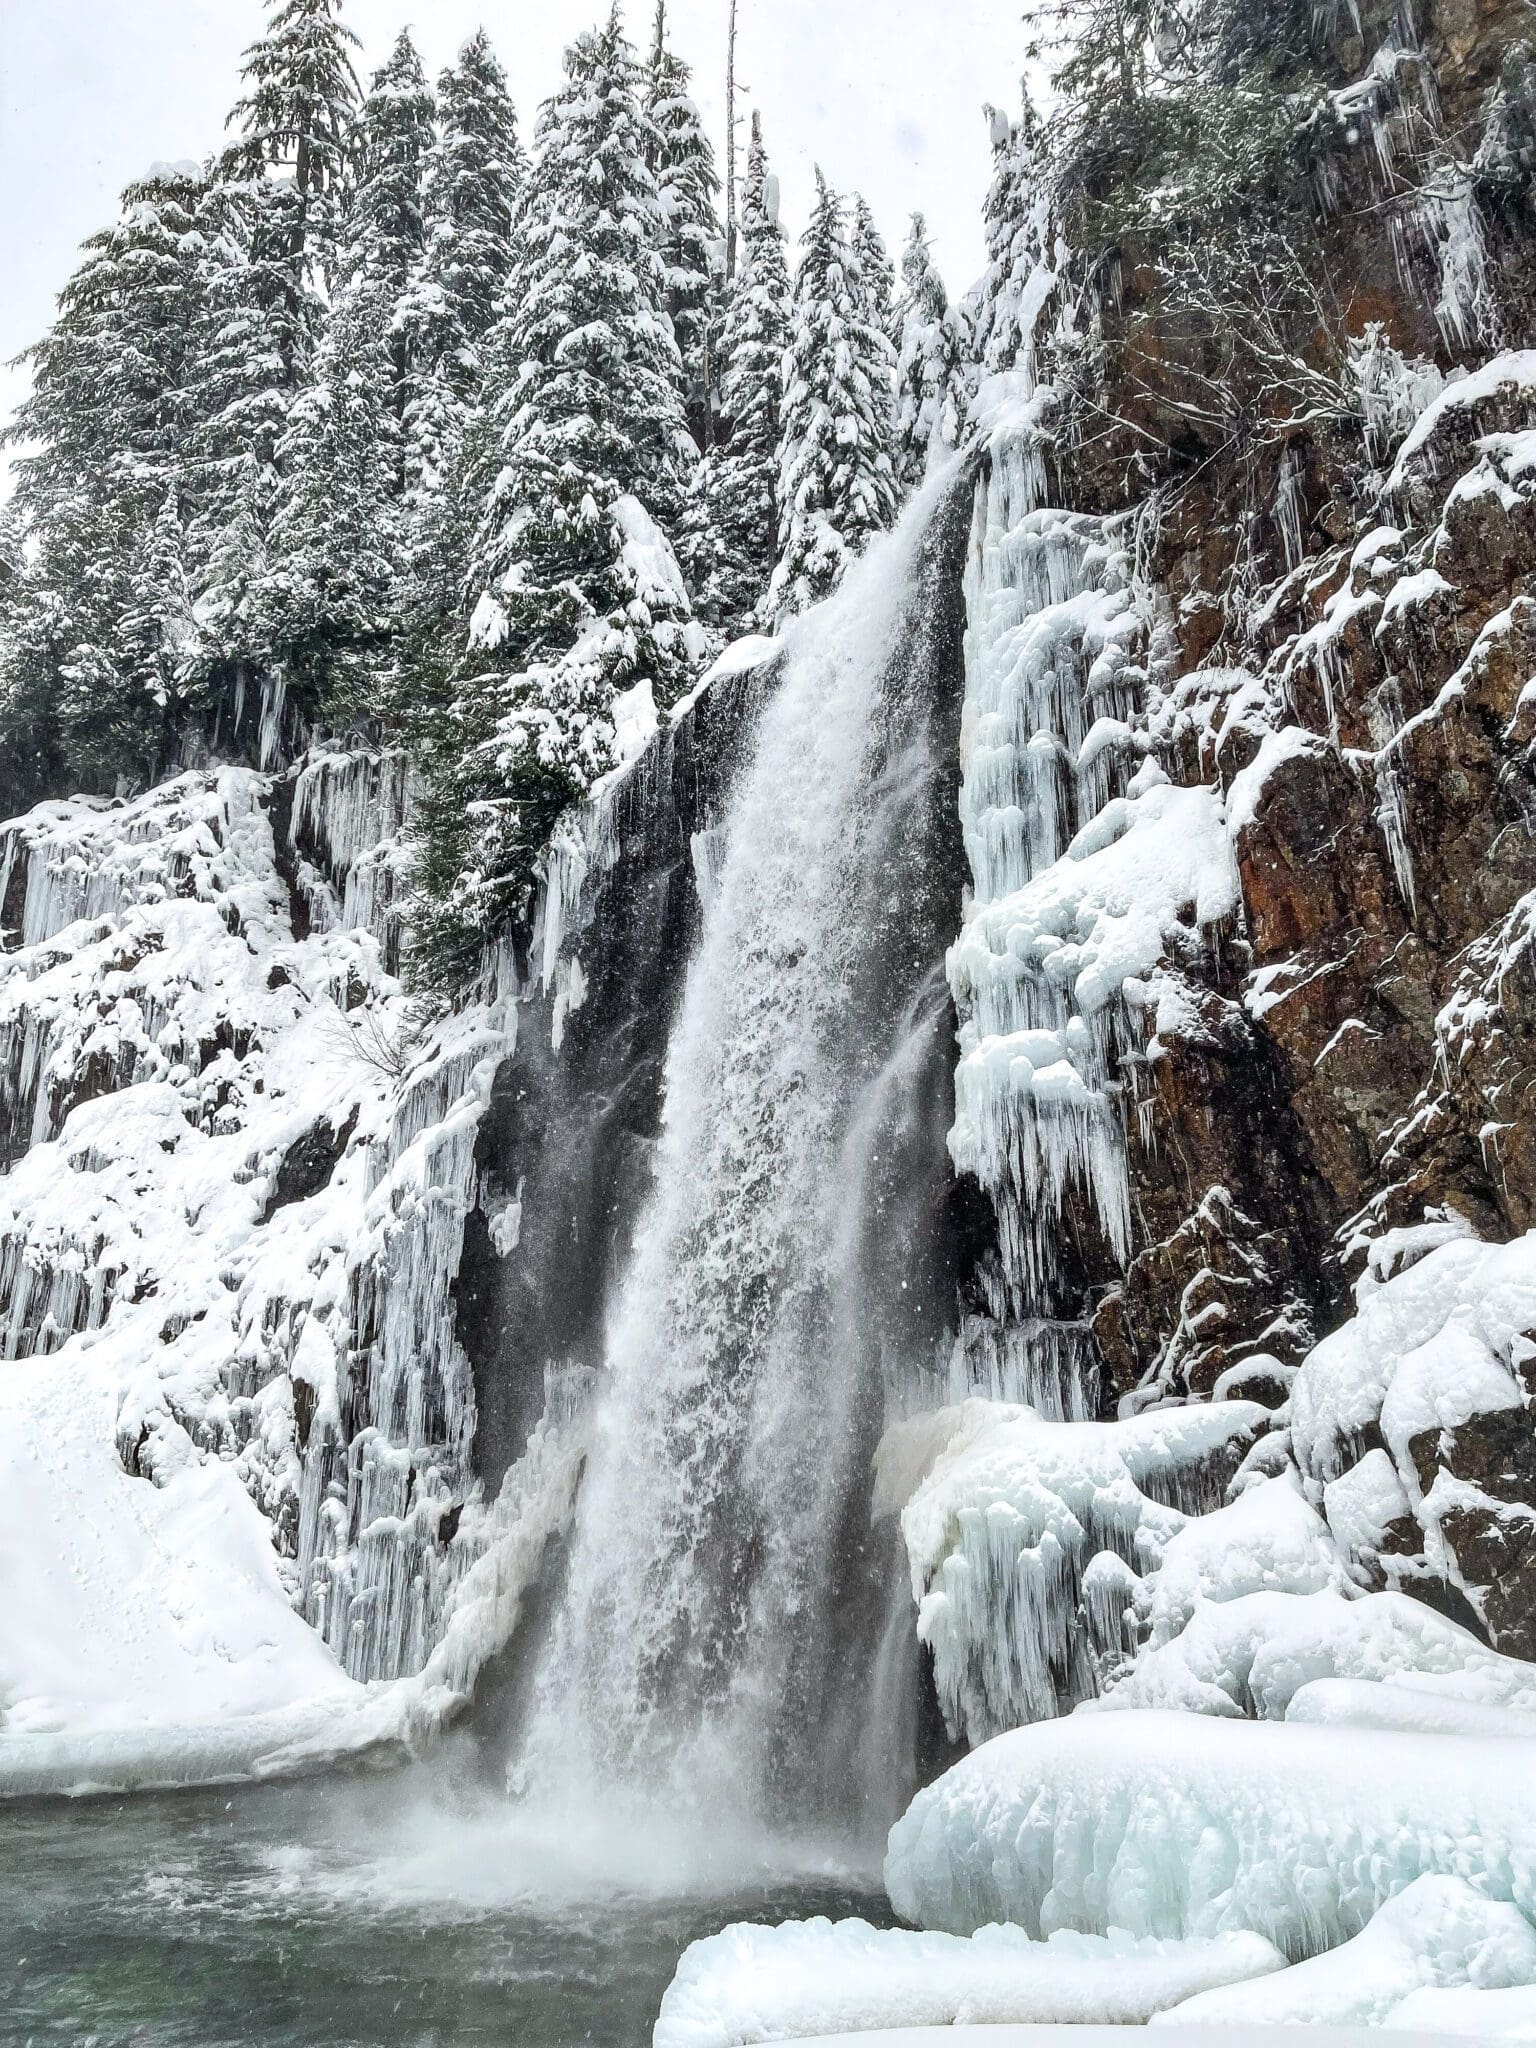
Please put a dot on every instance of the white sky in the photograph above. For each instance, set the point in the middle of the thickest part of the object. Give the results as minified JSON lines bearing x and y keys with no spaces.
{"x":885,"y":94}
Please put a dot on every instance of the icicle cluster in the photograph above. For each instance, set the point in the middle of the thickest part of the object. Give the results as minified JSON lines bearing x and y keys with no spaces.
{"x":1050,"y":687}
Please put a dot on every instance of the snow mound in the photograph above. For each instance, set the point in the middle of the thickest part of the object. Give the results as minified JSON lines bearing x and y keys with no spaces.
{"x":1438,"y":1931}
{"x":127,"y":1594}
{"x":149,"y":1640}
{"x":1170,"y":1825}
{"x":1179,"y":2037}
{"x":1410,"y":1706}
{"x":750,"y":1984}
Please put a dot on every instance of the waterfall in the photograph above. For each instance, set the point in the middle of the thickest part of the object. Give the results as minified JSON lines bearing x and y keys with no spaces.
{"x":720,"y":1609}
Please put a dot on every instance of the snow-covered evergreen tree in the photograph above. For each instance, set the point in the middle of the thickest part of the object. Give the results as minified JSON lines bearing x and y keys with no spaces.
{"x":31,"y":758}
{"x":837,"y":482}
{"x":295,"y":122}
{"x":334,"y":549}
{"x":930,"y":373}
{"x":157,"y":638}
{"x":1016,"y":221}
{"x":575,"y":595}
{"x":232,"y":609}
{"x":384,"y":235}
{"x":273,"y":205}
{"x":296,"y":118}
{"x":732,"y":538}
{"x":869,"y":265}
{"x":474,"y":183}
{"x":107,"y":432}
{"x":692,"y":246}
{"x":474,"y":176}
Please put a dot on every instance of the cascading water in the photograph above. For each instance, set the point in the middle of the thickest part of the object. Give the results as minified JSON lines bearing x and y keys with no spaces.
{"x":719,"y":1598}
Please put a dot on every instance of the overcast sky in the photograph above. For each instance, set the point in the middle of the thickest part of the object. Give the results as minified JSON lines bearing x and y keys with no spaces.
{"x":885,"y":94}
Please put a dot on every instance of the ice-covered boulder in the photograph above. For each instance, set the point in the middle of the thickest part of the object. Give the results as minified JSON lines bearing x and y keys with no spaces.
{"x":1416,"y":1416}
{"x":1024,"y":1535}
{"x":1173,"y":1825}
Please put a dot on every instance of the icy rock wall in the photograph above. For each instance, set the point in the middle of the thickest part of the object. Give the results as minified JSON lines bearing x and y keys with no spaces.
{"x":563,"y":1156}
{"x":239,"y":1172}
{"x":1049,"y":689}
{"x":1032,"y":1543}
{"x":348,"y":825}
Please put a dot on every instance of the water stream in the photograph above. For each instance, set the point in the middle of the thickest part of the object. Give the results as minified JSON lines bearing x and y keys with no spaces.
{"x":398,"y":1913}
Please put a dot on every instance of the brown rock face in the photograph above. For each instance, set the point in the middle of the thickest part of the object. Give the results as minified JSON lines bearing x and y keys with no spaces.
{"x":1360,"y":1047}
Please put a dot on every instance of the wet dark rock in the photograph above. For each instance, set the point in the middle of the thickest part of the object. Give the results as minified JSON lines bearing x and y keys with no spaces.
{"x":308,"y":1164}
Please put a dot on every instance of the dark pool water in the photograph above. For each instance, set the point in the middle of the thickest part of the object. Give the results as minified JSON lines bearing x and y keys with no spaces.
{"x":369,"y":1914}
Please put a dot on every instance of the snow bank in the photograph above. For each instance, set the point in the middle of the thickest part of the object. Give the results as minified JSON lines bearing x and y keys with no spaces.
{"x":148,"y":1638}
{"x":750,"y":1984}
{"x":1437,"y":1931}
{"x":1172,"y":2037}
{"x":1410,"y":1705}
{"x":124,"y":1601}
{"x":1175,"y":1826}
{"x":1482,"y":2015}
{"x":1006,"y":1532}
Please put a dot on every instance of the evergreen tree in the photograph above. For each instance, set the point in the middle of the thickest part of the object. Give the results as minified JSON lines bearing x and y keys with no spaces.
{"x":336,"y":546}
{"x":732,"y":539}
{"x":296,"y":117}
{"x":296,"y":121}
{"x":836,"y":479}
{"x":569,"y":603}
{"x":31,"y":759}
{"x":157,"y":634}
{"x":1016,"y":222}
{"x":233,"y":607}
{"x":683,"y":163}
{"x":273,"y":205}
{"x":869,"y":265}
{"x":384,"y":235}
{"x":930,"y":394}
{"x":109,"y":421}
{"x":335,"y":543}
{"x":474,"y":178}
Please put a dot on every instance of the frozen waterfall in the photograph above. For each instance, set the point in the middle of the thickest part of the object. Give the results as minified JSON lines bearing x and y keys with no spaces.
{"x":724,"y":1601}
